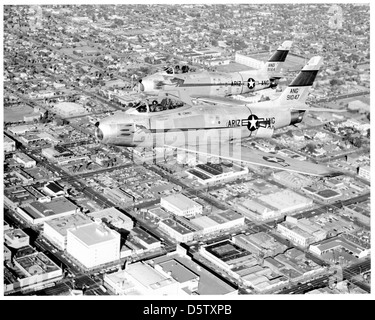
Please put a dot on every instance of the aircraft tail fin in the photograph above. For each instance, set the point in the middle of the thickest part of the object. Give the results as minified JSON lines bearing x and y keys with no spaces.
{"x":297,"y":91}
{"x":274,"y":64}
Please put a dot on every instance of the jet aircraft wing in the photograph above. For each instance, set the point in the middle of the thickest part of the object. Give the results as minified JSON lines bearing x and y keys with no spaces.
{"x":218,"y":100}
{"x":238,"y":153}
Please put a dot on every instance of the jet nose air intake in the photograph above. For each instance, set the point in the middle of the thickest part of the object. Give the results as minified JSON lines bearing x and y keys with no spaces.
{"x":98,"y":133}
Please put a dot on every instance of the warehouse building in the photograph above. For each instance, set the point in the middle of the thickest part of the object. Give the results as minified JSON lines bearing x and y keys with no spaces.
{"x":37,"y":212}
{"x":181,"y":205}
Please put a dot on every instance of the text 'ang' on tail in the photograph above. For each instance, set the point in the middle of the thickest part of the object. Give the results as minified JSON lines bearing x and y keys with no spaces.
{"x":298,"y":90}
{"x":274,"y":64}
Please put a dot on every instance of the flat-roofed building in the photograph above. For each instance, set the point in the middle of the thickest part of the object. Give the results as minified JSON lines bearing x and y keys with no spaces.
{"x":113,"y":217}
{"x":186,"y":277}
{"x":21,"y":129}
{"x":286,"y":201}
{"x":206,"y":224}
{"x":32,"y":271}
{"x":69,"y":109}
{"x":187,"y":273}
{"x":242,"y":265}
{"x":259,"y":243}
{"x":181,"y":205}
{"x":214,"y":173}
{"x":177,"y":231}
{"x":328,"y":194}
{"x":256,"y":209}
{"x":145,"y":239}
{"x":37,"y":212}
{"x":16,"y":238}
{"x":53,"y":189}
{"x":218,"y":222}
{"x":359,"y":212}
{"x":25,"y":160}
{"x":141,"y":279}
{"x":339,"y":243}
{"x":301,"y":232}
{"x":9,"y":144}
{"x":248,"y":61}
{"x":93,"y":244}
{"x":55,"y":230}
{"x":364,"y":172}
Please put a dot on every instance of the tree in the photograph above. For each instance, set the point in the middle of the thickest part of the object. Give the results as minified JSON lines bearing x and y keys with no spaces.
{"x":310,"y":147}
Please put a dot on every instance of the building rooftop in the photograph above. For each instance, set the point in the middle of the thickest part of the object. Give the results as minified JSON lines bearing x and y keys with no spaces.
{"x":229,"y":215}
{"x":36,"y":263}
{"x":62,"y":224}
{"x":327,"y":193}
{"x":111,"y":215}
{"x":143,"y":235}
{"x":15,"y":234}
{"x":176,"y":226}
{"x":94,"y":233}
{"x":178,"y":271}
{"x":204,"y":222}
{"x":282,"y":200}
{"x":57,"y":206}
{"x":333,"y":243}
{"x":180,"y":201}
{"x":148,"y":276}
{"x":7,"y":139}
{"x":208,"y":284}
{"x":54,"y":187}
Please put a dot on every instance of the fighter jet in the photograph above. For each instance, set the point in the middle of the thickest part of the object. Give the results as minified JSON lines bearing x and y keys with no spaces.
{"x":204,"y":84}
{"x":212,"y":129}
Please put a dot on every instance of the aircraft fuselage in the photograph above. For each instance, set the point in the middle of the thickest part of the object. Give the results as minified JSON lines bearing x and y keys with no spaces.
{"x":211,"y":83}
{"x":194,"y":125}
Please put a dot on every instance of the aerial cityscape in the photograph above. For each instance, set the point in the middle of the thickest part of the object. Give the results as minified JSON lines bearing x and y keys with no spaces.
{"x":186,"y":150}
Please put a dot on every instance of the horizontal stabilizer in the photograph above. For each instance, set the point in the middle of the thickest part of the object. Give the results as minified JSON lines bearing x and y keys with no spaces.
{"x":317,"y":109}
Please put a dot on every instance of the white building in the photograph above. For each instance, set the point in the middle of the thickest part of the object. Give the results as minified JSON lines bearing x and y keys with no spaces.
{"x":93,"y":244}
{"x":181,"y":205}
{"x":286,"y":201}
{"x":55,"y":230}
{"x":142,"y":279}
{"x":69,"y":109}
{"x":364,"y":172}
{"x":16,"y":238}
{"x":21,"y":129}
{"x":9,"y":144}
{"x":177,"y":231}
{"x":248,"y":61}
{"x":25,"y":160}
{"x":301,"y":232}
{"x":336,"y":243}
{"x":218,"y":222}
